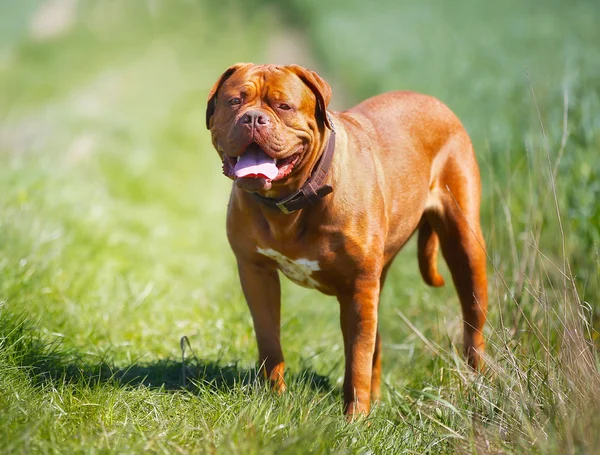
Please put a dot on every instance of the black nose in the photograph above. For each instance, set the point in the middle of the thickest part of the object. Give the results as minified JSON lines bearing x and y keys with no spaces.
{"x":255,"y":118}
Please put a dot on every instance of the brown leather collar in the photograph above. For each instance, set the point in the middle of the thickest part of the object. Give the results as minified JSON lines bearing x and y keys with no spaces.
{"x":313,"y":190}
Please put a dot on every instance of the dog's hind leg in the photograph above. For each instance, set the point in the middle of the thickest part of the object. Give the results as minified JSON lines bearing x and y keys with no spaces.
{"x":456,"y":222}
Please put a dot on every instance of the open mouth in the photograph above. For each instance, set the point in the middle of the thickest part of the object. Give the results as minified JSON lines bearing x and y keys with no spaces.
{"x":255,"y":163}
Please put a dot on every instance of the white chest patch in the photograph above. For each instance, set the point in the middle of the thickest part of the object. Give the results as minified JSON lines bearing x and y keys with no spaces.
{"x":297,"y":270}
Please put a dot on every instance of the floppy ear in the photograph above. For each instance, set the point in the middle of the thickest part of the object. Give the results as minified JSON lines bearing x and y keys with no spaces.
{"x":212,"y":95}
{"x":319,"y":87}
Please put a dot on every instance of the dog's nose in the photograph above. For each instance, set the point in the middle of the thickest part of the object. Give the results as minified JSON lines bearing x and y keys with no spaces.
{"x":255,"y":118}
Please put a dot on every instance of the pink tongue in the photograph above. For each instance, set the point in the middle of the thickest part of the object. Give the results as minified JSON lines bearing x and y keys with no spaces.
{"x":256,"y":163}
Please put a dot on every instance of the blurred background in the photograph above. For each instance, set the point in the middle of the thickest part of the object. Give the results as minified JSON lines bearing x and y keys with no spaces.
{"x":112,"y":201}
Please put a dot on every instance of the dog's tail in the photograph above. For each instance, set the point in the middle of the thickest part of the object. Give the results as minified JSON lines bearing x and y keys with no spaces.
{"x":428,"y":248}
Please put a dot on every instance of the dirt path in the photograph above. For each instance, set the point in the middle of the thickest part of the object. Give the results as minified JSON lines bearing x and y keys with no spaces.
{"x":292,"y":46}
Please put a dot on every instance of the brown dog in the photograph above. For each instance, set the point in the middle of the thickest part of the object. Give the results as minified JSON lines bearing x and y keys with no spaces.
{"x":330,"y":198}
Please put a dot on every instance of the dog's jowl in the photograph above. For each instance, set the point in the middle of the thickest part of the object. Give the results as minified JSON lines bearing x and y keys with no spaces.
{"x":329,"y":198}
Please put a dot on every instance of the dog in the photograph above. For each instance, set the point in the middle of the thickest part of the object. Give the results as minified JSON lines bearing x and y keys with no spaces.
{"x":329,"y":199}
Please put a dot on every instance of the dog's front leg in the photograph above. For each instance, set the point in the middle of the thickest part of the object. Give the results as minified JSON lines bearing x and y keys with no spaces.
{"x":263,"y":296}
{"x":359,"y":327}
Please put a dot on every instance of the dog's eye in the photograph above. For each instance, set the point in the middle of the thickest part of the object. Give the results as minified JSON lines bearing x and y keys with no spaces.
{"x":284,"y":107}
{"x":235,"y":101}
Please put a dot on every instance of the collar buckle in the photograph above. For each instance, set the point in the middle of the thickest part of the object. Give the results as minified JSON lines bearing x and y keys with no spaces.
{"x":281,"y":206}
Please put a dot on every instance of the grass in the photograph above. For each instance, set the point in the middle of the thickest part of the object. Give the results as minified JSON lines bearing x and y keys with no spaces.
{"x":112,"y":243}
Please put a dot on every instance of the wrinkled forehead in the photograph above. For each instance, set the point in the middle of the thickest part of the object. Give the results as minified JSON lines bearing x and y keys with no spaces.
{"x":265,"y":81}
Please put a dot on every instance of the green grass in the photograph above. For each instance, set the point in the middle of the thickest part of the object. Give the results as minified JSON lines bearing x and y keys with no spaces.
{"x":112,"y":242}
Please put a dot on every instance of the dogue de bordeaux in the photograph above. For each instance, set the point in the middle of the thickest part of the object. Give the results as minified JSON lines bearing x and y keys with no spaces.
{"x":329,"y":199}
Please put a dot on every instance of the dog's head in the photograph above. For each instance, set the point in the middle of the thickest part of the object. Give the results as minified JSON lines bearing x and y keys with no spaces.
{"x":267,"y":122}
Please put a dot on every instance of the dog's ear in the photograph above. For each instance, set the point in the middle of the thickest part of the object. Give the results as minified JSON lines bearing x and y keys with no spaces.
{"x":212,"y":95}
{"x":319,"y":87}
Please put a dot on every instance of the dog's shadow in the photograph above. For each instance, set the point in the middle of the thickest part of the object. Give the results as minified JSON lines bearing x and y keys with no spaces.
{"x":195,"y":374}
{"x":49,"y":364}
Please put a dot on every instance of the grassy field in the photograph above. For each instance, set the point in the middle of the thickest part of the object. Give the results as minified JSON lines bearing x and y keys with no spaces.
{"x":112,"y":242}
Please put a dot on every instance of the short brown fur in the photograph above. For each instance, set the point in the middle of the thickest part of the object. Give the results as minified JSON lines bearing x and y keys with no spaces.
{"x":403,"y":162}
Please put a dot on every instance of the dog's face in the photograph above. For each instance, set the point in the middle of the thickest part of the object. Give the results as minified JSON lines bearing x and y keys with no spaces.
{"x":266,"y":122}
